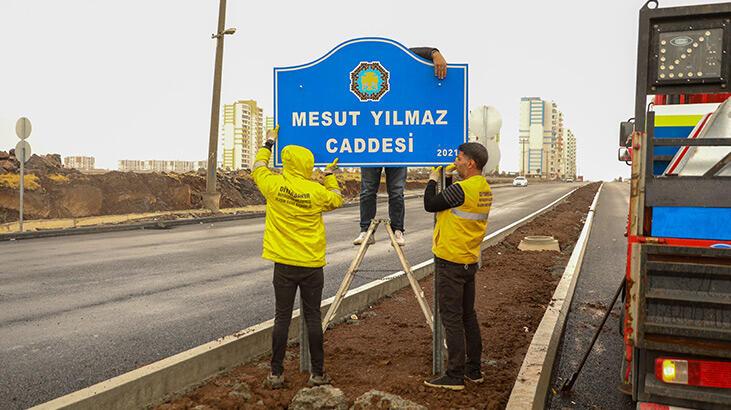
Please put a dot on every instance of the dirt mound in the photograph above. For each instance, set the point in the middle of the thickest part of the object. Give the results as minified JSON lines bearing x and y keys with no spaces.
{"x":52,"y":191}
{"x":38,"y":164}
{"x":389,"y":347}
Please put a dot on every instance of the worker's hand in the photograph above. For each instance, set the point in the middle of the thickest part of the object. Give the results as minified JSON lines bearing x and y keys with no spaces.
{"x":440,"y":65}
{"x":434,"y":175}
{"x":450,"y":168}
{"x":272,"y":136}
{"x":331,"y":167}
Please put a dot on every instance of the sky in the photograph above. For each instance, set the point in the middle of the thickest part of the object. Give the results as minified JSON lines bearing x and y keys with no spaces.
{"x":133,"y":79}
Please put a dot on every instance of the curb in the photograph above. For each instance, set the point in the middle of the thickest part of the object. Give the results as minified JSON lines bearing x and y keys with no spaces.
{"x":155,"y":382}
{"x":533,"y":381}
{"x":48,"y":233}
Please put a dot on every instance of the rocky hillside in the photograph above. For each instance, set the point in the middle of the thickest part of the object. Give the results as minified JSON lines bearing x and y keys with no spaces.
{"x":52,"y":191}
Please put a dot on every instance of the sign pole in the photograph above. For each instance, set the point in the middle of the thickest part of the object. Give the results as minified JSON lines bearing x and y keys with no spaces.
{"x":438,"y":333}
{"x":22,"y":152}
{"x":22,"y":178}
{"x":305,"y":359}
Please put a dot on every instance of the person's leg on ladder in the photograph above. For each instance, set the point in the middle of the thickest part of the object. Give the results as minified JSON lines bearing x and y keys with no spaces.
{"x":370,"y":179}
{"x":395,"y":185}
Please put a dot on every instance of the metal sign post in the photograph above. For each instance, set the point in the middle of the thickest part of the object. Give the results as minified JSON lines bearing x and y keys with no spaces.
{"x":438,"y":333}
{"x":22,"y":187}
{"x":22,"y":154}
{"x":305,"y":358}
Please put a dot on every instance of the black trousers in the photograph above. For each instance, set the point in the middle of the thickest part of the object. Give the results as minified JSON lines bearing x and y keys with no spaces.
{"x":456,"y":284}
{"x":286,"y":280}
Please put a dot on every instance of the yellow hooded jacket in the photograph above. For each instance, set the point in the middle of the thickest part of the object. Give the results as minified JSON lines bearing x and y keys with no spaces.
{"x":295,"y":232}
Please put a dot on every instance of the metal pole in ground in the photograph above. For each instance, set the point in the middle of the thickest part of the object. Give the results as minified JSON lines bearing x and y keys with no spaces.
{"x":438,"y":333}
{"x":304,"y":340}
{"x":22,"y":187}
{"x":211,"y":198}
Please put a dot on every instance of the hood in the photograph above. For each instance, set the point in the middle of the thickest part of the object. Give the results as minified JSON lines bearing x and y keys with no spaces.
{"x":297,"y":161}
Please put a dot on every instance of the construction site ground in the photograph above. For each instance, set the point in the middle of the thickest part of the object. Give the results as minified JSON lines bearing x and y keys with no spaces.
{"x":388,"y":347}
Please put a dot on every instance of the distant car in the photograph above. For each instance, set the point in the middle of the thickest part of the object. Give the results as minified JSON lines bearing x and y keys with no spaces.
{"x":569,"y":180}
{"x":520,"y":181}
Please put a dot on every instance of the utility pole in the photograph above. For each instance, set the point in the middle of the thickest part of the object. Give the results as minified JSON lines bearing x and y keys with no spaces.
{"x":212,"y":198}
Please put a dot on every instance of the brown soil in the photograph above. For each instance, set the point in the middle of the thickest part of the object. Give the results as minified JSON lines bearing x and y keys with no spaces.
{"x":389,"y":347}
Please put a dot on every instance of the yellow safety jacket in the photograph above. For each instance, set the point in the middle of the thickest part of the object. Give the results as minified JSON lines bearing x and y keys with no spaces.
{"x":295,"y":232}
{"x":459,"y":231}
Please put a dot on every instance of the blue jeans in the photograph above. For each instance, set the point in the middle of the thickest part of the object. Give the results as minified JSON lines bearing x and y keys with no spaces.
{"x":370,"y":179}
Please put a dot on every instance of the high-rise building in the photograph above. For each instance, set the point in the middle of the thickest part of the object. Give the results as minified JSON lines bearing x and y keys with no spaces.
{"x":541,"y":138}
{"x":80,"y":163}
{"x":243,"y":134}
{"x":532,"y":119}
{"x":269,"y":123}
{"x":556,"y":153}
{"x":569,"y":164}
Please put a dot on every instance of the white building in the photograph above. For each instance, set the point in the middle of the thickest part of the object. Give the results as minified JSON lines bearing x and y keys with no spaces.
{"x":154,"y":165}
{"x":80,"y":163}
{"x":532,"y":118}
{"x":242,"y":134}
{"x":541,"y":138}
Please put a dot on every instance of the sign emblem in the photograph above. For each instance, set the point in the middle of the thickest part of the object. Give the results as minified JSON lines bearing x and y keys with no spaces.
{"x":369,"y":81}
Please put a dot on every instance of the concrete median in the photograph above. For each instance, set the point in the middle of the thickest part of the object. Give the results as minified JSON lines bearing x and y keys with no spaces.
{"x":533,"y":381}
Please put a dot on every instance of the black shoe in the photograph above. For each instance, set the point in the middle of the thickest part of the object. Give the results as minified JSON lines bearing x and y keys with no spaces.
{"x":446,"y":382}
{"x":319,"y":380}
{"x":475,"y":377}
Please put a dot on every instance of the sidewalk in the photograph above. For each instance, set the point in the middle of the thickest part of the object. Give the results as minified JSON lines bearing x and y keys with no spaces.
{"x":601,"y":273}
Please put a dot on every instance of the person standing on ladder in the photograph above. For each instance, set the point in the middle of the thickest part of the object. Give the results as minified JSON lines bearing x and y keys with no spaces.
{"x":462,"y":210}
{"x":294,"y":239}
{"x":370,"y":178}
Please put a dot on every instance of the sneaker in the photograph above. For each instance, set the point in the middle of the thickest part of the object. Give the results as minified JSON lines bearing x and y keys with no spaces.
{"x":475,"y":377}
{"x":274,"y":382}
{"x":361,"y":237}
{"x":400,"y":240}
{"x":319,"y":380}
{"x":446,"y":382}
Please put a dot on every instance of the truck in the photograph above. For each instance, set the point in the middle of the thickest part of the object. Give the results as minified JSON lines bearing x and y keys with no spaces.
{"x":676,"y":324}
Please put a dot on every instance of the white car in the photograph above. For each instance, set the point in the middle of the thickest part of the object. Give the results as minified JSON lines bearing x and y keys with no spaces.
{"x":520,"y":181}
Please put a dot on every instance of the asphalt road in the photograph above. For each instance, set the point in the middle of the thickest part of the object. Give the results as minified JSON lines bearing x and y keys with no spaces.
{"x":601,"y":273}
{"x":77,"y":310}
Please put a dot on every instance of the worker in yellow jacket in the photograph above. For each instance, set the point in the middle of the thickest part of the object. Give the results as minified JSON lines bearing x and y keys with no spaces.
{"x":462,"y":209}
{"x":294,"y":239}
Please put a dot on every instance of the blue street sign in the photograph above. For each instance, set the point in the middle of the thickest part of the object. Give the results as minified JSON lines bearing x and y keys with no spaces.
{"x":372,"y":102}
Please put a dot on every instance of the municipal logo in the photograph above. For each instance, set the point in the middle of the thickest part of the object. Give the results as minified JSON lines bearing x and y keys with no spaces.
{"x":369,"y":81}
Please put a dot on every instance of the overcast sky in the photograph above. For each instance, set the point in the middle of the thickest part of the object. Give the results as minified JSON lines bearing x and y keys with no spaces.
{"x":132,"y":79}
